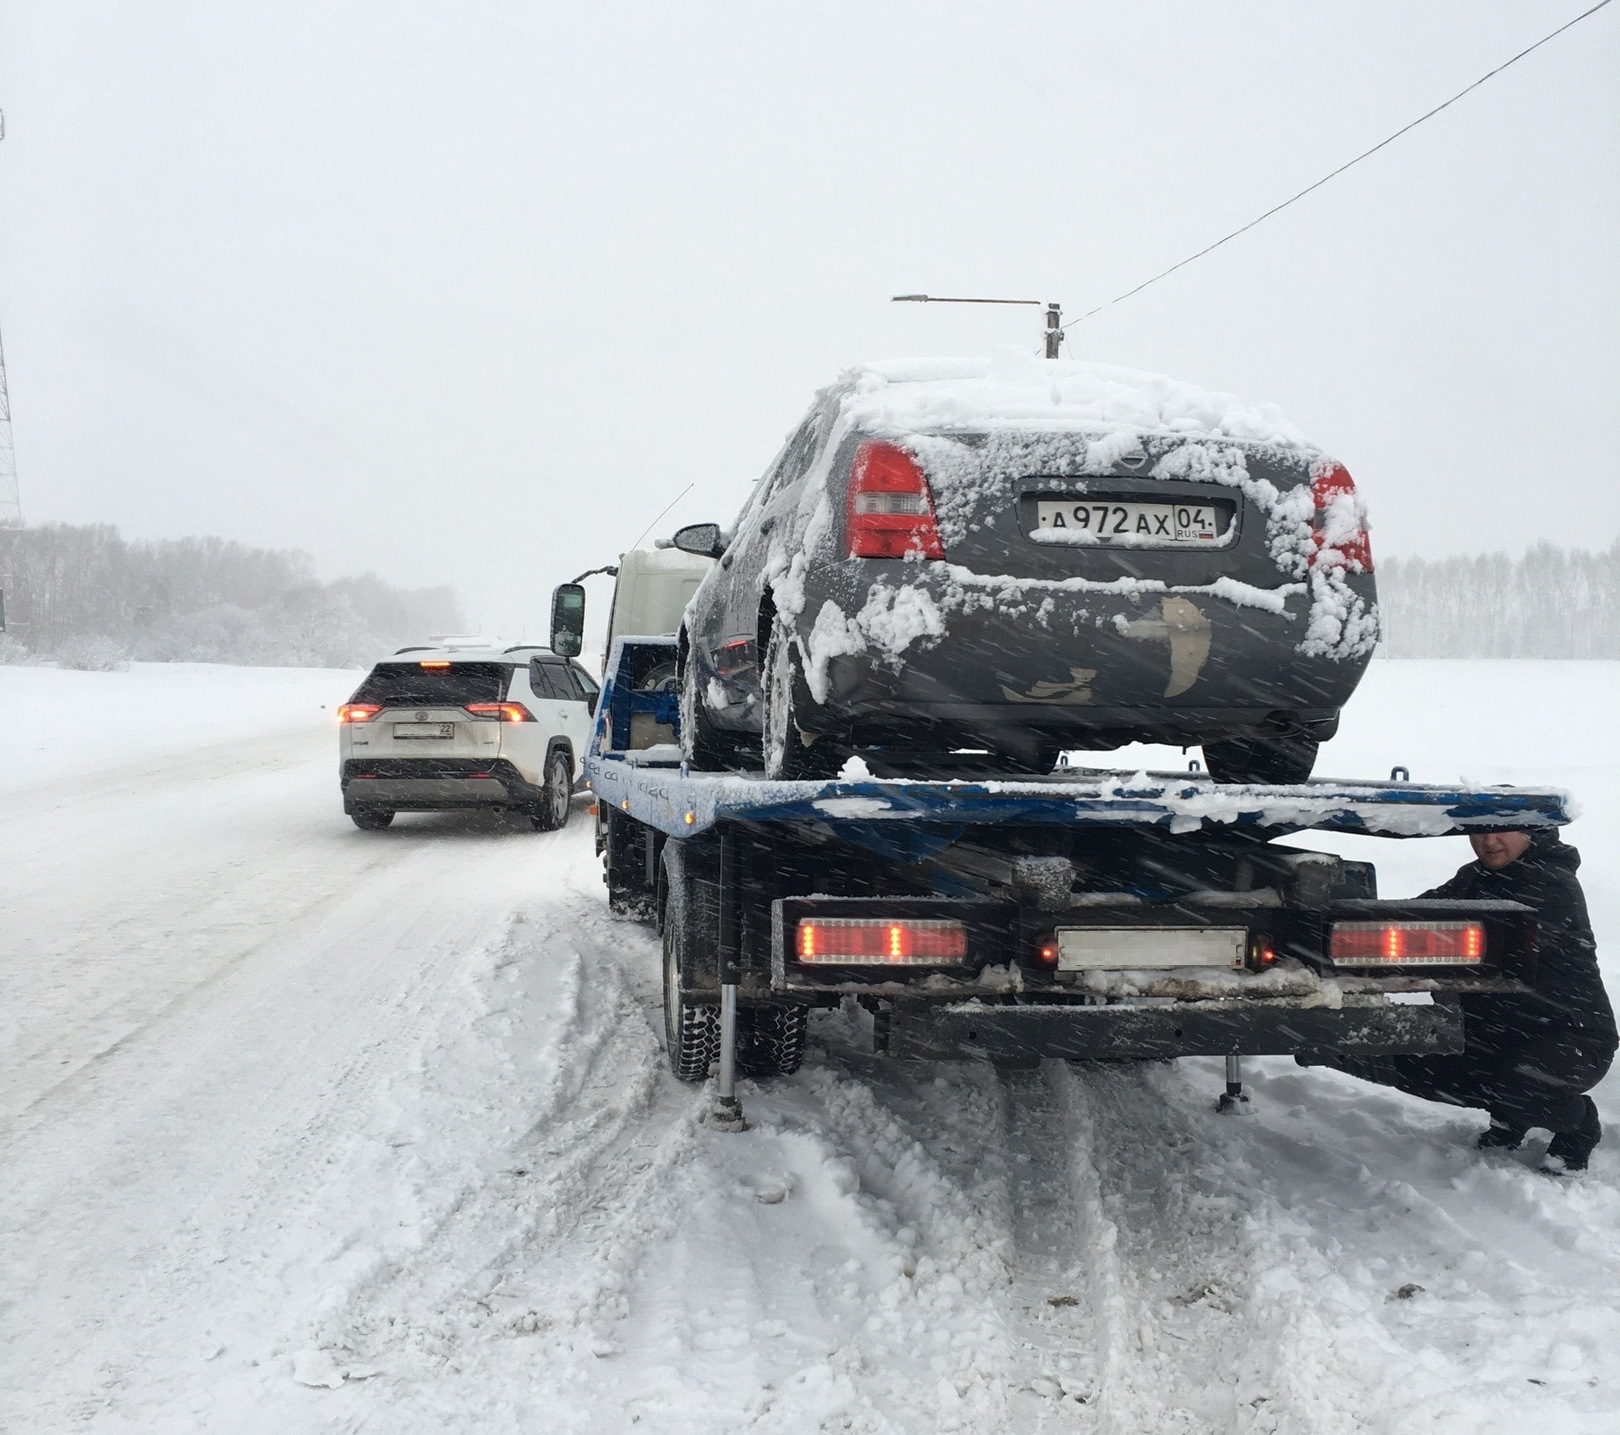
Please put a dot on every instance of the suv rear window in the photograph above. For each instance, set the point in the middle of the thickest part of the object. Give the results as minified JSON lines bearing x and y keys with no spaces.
{"x":412,"y":685}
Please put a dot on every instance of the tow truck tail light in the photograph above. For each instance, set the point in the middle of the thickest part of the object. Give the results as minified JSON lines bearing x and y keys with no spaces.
{"x":858,"y":941}
{"x":890,"y":511}
{"x":1376,"y":944}
{"x":357,"y":712}
{"x":501,"y":712}
{"x":1341,"y":519}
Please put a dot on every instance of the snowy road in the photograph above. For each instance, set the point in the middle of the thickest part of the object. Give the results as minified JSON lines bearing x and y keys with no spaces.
{"x":304,"y":1129}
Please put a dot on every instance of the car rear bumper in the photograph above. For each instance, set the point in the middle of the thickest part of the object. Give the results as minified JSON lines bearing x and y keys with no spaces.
{"x":433,"y":785}
{"x":1177,"y":667}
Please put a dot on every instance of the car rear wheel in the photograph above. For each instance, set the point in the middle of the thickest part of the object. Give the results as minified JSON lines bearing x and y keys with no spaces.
{"x":1262,"y":760}
{"x":702,"y":745}
{"x":371,"y":819}
{"x":786,"y":753}
{"x":551,"y":812}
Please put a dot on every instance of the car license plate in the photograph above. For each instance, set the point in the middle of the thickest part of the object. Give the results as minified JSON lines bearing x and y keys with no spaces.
{"x":1162,"y":525}
{"x":1085,"y":949}
{"x":434,"y":730}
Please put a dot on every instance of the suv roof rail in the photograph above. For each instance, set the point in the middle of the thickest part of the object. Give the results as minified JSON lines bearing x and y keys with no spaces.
{"x":527,"y":648}
{"x":420,"y":648}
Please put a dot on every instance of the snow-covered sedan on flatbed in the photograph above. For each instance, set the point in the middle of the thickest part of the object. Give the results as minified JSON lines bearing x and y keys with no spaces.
{"x":1025,"y":557}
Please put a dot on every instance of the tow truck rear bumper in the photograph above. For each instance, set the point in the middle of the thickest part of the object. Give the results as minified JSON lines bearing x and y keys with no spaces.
{"x":1362,"y":1026}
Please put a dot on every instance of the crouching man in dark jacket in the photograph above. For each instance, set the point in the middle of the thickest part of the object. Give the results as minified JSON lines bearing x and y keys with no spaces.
{"x":1529,"y":1061}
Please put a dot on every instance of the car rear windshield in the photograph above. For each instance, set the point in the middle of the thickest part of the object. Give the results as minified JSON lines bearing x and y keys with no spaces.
{"x":412,"y":685}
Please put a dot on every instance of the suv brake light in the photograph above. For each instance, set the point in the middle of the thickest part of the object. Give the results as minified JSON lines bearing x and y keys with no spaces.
{"x":501,"y":712}
{"x":357,"y":712}
{"x":1341,"y":519}
{"x":889,"y":512}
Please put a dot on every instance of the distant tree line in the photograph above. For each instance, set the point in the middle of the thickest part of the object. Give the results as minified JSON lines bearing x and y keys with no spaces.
{"x":82,"y":596}
{"x":1551,"y":603}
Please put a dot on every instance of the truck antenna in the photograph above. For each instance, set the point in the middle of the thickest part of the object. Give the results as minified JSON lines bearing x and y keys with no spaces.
{"x":1054,"y":313}
{"x":666,"y":508}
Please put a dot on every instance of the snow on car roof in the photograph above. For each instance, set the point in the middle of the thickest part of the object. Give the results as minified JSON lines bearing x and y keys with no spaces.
{"x":1023,"y":391}
{"x":495,"y":651}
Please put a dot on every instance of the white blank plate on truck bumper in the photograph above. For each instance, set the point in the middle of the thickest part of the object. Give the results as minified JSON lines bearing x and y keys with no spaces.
{"x":1137,"y":948}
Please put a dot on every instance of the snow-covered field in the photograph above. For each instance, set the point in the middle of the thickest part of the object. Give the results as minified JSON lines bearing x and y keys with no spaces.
{"x":305,"y":1129}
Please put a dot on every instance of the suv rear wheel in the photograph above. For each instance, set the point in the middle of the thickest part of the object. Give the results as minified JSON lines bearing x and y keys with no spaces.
{"x":551,"y":811}
{"x":1261,"y":760}
{"x":371,"y":819}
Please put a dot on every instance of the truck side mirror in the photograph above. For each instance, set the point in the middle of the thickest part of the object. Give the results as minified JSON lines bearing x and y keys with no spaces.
{"x":704,"y":539}
{"x":567,"y":619}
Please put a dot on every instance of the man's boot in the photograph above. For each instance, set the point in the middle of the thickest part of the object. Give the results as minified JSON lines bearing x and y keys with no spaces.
{"x":1570,"y":1150}
{"x":1497,"y":1136}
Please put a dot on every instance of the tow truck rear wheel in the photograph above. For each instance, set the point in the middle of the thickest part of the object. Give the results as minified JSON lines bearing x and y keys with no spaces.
{"x":770,"y":1039}
{"x":691,"y":1029}
{"x":1261,"y":760}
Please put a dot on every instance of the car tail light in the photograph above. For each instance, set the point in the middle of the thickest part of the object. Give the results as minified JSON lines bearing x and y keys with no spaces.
{"x":1369,"y":944}
{"x":889,"y":511}
{"x":501,"y":712}
{"x":910,"y":942}
{"x":1341,"y":518}
{"x":358,"y":712}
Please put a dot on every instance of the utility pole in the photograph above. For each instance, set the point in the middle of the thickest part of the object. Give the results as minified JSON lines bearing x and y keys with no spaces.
{"x":1054,"y":313}
{"x":10,"y":499}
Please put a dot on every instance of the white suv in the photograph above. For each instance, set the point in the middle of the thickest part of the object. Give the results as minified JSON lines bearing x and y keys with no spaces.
{"x":454,"y":727}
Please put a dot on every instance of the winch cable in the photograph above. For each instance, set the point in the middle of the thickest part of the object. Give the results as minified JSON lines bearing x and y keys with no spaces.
{"x":1348,"y":164}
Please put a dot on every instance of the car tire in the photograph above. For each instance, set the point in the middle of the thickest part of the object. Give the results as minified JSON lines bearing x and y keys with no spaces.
{"x":786,"y":755}
{"x":770,"y":1039}
{"x":371,"y":819}
{"x":1265,"y":761}
{"x":556,"y":795}
{"x":691,"y":1029}
{"x":702,"y":747}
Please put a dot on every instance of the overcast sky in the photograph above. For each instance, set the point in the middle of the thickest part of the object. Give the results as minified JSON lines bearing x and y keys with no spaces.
{"x":467,"y":292}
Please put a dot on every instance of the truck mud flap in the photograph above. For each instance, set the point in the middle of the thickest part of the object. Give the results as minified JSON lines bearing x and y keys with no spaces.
{"x":926,"y":1031}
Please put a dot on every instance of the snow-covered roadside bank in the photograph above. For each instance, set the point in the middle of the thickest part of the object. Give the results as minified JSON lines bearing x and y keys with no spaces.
{"x":314,"y":1130}
{"x":56,"y":723}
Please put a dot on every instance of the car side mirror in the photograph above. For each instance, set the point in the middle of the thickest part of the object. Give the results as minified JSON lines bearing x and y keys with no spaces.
{"x":567,"y":619}
{"x":704,"y":539}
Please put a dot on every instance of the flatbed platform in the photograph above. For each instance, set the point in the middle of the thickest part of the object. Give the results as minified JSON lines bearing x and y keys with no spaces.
{"x":684,"y":804}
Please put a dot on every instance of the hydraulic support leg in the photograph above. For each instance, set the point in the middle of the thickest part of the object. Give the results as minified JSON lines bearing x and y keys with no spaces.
{"x":725,"y":1113}
{"x":1233,"y":1098}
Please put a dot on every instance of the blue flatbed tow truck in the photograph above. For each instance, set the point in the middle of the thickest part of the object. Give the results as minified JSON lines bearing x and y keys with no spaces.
{"x":1089,"y":915}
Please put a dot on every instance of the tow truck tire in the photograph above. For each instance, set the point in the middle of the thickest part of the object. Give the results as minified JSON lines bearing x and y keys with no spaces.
{"x":770,"y":1039}
{"x":691,"y":1032}
{"x":691,"y":1029}
{"x":371,"y":819}
{"x":556,"y":795}
{"x":786,"y":755}
{"x":1261,"y":760}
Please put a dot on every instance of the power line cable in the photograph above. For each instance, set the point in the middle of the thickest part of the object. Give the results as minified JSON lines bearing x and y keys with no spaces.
{"x":1365,"y":154}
